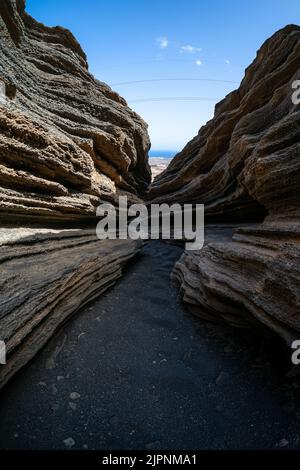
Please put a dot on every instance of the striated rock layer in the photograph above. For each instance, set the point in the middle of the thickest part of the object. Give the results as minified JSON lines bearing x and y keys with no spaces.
{"x":67,"y":143}
{"x":244,"y":165}
{"x":67,"y":140}
{"x":45,"y":277}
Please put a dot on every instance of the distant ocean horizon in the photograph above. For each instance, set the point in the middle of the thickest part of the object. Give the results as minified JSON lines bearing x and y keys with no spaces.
{"x":165,"y":154}
{"x":159,"y":160}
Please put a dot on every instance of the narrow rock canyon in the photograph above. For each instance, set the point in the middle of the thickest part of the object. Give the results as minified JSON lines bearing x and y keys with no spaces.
{"x":68,"y":143}
{"x":244,"y":166}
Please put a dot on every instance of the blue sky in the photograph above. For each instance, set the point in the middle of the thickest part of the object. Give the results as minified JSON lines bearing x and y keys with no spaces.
{"x":209,"y":42}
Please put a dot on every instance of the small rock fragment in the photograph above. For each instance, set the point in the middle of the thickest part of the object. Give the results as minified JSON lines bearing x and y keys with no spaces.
{"x":283,"y":443}
{"x":73,"y":406}
{"x":74,"y":396}
{"x":153,"y":445}
{"x":69,"y":442}
{"x":222,"y":377}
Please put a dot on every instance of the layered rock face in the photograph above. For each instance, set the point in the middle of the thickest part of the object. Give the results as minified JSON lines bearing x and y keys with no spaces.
{"x":67,"y":143}
{"x":244,"y":165}
{"x":67,"y":140}
{"x":46,"y":275}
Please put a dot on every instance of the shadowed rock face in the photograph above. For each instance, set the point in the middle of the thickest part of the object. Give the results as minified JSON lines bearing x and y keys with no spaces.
{"x":244,"y":165}
{"x":67,"y":140}
{"x":46,"y":275}
{"x":67,"y":143}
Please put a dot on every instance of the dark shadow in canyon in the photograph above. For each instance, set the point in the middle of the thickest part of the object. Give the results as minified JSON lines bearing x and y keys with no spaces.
{"x":135,"y":370}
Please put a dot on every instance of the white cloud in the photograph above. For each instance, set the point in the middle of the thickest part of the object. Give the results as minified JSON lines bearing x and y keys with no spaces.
{"x":163,"y":42}
{"x":227,"y":62}
{"x":198,"y":62}
{"x":190,"y":49}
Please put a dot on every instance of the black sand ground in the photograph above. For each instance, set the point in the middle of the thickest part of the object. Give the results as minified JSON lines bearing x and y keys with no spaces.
{"x":135,"y":370}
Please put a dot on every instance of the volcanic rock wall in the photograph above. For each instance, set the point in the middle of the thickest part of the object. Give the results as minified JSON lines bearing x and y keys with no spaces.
{"x":244,"y":165}
{"x":67,"y":143}
{"x":67,"y":140}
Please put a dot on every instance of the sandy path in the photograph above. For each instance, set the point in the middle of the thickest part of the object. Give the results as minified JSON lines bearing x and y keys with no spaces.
{"x":135,"y":370}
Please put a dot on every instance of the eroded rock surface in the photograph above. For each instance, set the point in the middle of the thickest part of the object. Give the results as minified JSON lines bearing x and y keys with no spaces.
{"x":244,"y":165}
{"x":67,"y":143}
{"x":67,"y":140}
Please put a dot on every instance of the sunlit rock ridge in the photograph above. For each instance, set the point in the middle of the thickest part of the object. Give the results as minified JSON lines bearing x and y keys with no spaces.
{"x":67,"y":140}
